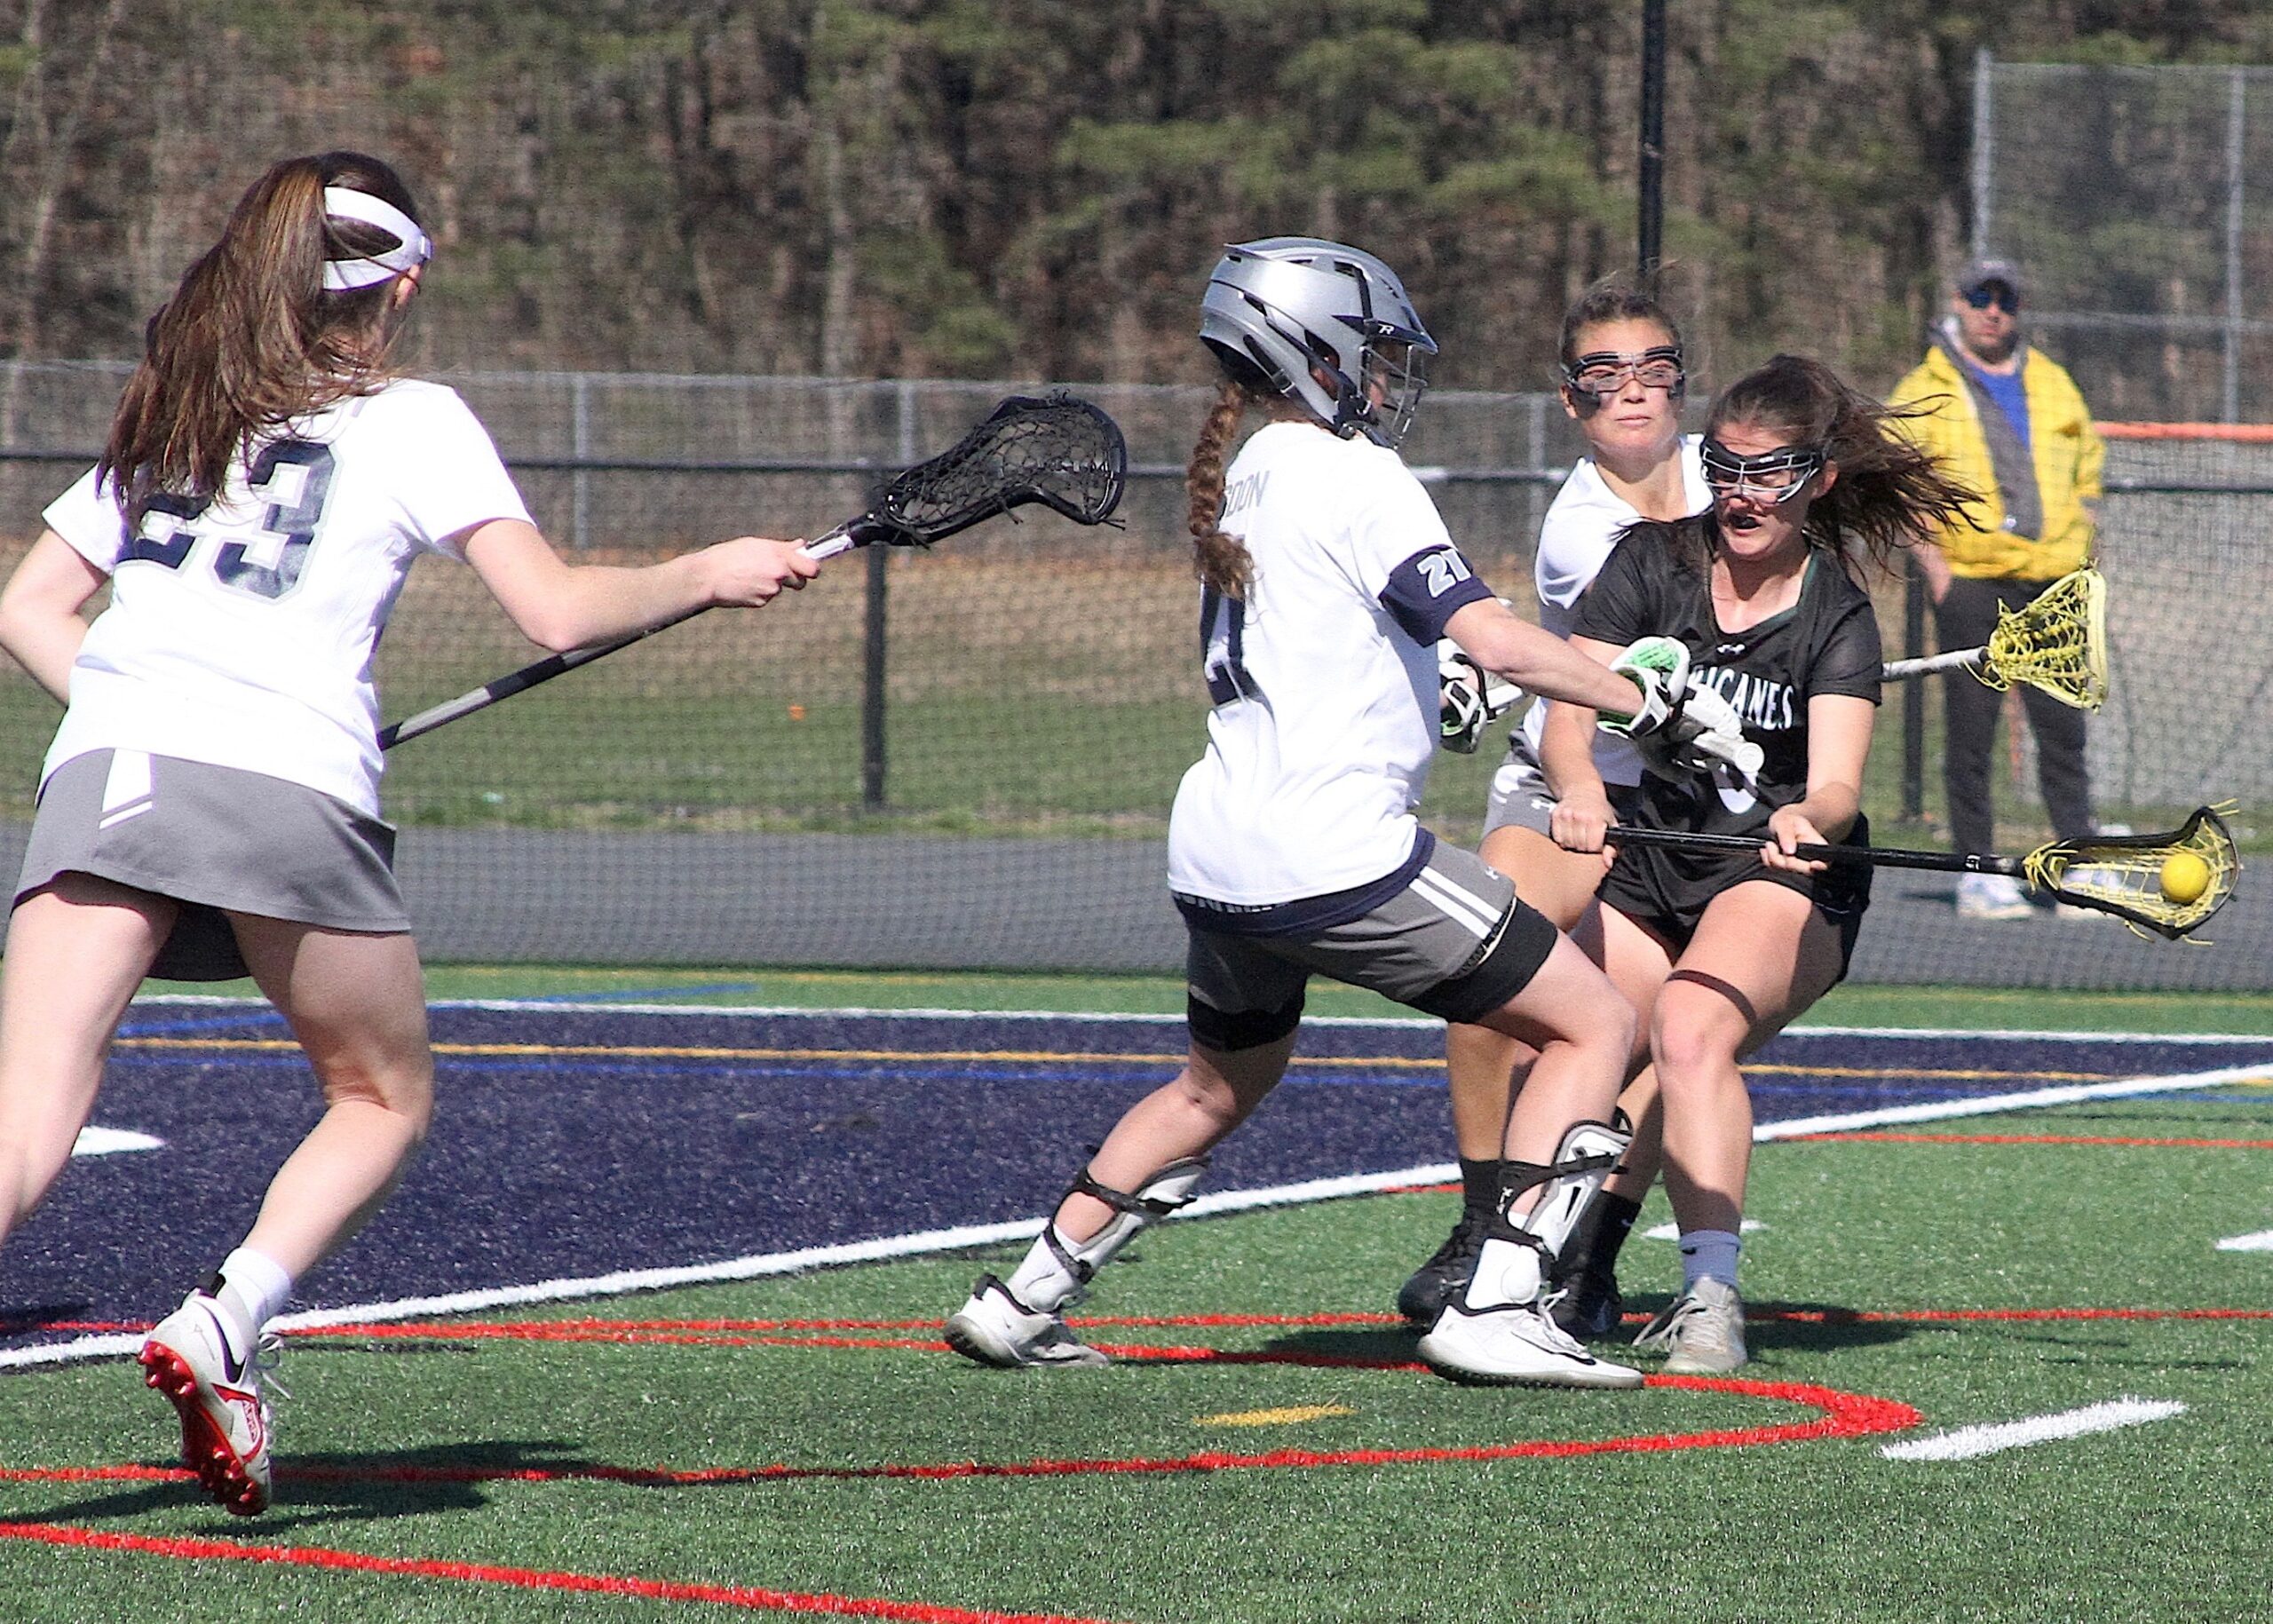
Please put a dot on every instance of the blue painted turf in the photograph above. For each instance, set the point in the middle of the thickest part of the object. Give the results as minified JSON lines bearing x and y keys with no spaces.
{"x":576,"y":1164}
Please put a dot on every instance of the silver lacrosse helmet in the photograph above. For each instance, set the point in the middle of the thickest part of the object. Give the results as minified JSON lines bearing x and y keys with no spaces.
{"x":1297,"y":308}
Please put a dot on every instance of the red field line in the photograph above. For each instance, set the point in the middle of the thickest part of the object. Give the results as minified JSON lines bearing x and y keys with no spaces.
{"x":1843,"y":1414}
{"x":745,"y":1598}
{"x":2032,"y":1138}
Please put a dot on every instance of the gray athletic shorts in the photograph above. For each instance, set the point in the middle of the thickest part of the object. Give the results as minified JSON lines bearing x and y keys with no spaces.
{"x":213,"y":838}
{"x":1521,"y":799}
{"x":1454,"y":943}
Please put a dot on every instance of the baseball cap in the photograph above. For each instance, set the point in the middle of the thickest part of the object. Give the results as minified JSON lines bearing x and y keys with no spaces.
{"x":1981,"y":273}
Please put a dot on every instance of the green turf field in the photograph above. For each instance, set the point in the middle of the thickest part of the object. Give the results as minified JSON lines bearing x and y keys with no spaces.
{"x":479,"y":1464}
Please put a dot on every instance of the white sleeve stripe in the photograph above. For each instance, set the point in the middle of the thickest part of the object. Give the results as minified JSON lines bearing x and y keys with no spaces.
{"x":1463,"y":907}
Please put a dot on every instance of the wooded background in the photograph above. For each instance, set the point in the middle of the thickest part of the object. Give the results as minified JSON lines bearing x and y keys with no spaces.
{"x":1030,"y":187}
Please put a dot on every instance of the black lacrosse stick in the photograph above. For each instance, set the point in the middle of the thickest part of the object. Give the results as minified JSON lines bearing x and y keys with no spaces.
{"x":1055,"y":450}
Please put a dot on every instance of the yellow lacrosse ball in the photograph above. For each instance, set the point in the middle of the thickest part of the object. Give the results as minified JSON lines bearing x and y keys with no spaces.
{"x":2185,"y":877}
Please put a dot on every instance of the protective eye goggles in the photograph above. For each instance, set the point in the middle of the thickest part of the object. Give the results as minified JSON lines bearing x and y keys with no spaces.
{"x":1994,"y":293}
{"x":1605,"y":371}
{"x":1773,"y":475}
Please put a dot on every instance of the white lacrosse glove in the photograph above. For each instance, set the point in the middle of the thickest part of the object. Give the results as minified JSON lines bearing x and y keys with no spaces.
{"x":1469,"y":697}
{"x":1706,"y":731}
{"x":1659,"y":667}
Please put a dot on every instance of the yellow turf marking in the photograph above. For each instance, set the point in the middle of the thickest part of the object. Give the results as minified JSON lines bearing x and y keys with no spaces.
{"x":1289,"y":1416}
{"x":666,"y":1052}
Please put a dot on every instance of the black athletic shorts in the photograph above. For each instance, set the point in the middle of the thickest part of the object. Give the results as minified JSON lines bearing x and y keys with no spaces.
{"x":1666,"y":891}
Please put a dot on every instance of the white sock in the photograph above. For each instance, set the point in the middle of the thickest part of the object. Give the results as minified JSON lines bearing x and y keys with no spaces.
{"x":1709,"y":1253}
{"x":254,"y":1288}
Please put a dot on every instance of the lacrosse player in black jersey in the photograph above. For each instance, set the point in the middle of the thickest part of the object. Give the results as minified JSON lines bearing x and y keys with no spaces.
{"x":1716,"y":951}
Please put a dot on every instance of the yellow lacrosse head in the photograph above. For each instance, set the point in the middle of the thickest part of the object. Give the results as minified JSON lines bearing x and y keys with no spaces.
{"x":2123,"y":874}
{"x":2058,"y":642}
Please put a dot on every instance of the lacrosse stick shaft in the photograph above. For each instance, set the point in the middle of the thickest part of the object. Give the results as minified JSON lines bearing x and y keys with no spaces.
{"x":829,"y":546}
{"x":1956,"y":660}
{"x":1875,"y":857}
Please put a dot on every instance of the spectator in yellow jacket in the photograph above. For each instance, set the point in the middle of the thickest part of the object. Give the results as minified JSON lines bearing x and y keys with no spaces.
{"x":2009,"y":422}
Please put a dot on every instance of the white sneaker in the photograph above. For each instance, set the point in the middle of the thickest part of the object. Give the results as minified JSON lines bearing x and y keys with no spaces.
{"x":994,"y":1327}
{"x":1701,"y":1331}
{"x":225,"y":1422}
{"x":1990,"y":896}
{"x":1516,"y":1344}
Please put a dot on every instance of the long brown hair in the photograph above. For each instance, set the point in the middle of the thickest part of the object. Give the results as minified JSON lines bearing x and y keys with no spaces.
{"x":251,"y":339}
{"x":1889,"y":492}
{"x":1222,"y":560}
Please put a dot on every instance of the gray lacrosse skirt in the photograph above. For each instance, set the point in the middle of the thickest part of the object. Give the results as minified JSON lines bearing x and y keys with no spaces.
{"x":213,"y":838}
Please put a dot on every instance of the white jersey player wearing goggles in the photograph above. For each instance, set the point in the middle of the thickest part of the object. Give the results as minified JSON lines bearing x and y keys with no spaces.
{"x":209,"y":807}
{"x":1328,"y":580}
{"x":1622,"y":383}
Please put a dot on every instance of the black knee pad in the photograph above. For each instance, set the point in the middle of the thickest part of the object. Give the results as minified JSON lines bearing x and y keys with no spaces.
{"x":1228,"y":1031}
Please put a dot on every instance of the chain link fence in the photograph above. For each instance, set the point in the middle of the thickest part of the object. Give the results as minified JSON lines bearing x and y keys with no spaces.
{"x":2138,"y":203}
{"x":994,"y":788}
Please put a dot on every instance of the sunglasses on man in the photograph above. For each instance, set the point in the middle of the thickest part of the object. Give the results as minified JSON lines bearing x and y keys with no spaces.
{"x":1994,"y":293}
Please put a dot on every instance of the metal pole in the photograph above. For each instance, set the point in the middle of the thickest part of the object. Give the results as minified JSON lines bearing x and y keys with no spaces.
{"x":1651,"y":202}
{"x":1914,"y":697}
{"x":1985,"y":152}
{"x":875,"y":642}
{"x":2236,"y":105}
{"x":580,"y":430}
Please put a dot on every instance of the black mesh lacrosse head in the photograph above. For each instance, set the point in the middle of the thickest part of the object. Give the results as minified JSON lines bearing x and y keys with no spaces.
{"x":1056,"y":449}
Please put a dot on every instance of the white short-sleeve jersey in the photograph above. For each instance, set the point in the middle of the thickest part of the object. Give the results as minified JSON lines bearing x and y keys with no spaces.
{"x":240,"y":630}
{"x":1582,"y":525}
{"x":1324,"y":675}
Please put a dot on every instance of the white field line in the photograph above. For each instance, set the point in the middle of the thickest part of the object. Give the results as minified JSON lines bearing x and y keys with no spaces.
{"x":111,"y":1141}
{"x":1988,"y":1105}
{"x":1967,"y":1442}
{"x":931,"y":1242}
{"x":2262,"y":1241}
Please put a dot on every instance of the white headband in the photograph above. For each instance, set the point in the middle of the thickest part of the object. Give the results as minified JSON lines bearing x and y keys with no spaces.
{"x":416,"y":248}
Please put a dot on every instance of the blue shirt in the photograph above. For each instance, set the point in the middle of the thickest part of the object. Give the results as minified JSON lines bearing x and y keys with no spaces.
{"x":2010,"y":394}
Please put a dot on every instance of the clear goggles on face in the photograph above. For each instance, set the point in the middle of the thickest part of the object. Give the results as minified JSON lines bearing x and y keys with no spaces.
{"x":1605,"y":371}
{"x":1773,"y":475}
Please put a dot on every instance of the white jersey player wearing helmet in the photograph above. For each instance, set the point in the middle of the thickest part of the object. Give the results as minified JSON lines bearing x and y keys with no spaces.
{"x":1328,"y":580}
{"x":1622,"y":383}
{"x":209,"y":807}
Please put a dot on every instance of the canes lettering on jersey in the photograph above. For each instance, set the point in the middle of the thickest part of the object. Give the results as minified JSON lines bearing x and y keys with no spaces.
{"x":1765,"y":704}
{"x":1825,"y":642}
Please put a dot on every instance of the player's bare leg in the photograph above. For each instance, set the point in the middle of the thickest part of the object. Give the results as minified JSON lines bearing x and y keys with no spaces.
{"x":76,"y":952}
{"x":1761,"y":953}
{"x":1586,"y":1268}
{"x":1147,"y":1167}
{"x":357,"y":1003}
{"x":1557,"y":1149}
{"x":1483,"y":1065}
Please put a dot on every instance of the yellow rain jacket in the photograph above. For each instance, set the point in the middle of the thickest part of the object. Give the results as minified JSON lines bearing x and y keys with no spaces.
{"x":2067,"y":450}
